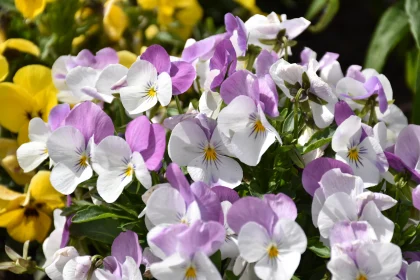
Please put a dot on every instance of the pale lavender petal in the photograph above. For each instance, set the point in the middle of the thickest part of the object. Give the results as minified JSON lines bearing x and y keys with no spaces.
{"x":295,"y":26}
{"x":398,"y":165}
{"x":314,"y":171}
{"x":90,"y":120}
{"x":84,"y":58}
{"x":239,"y":83}
{"x":342,"y":112}
{"x":268,"y":95}
{"x":171,"y":122}
{"x":224,"y":60}
{"x":207,"y":200}
{"x":251,"y":209}
{"x":113,"y":265}
{"x":416,"y":197}
{"x":57,"y":115}
{"x":206,"y":237}
{"x":407,"y":147}
{"x":264,"y":61}
{"x":328,"y":59}
{"x":178,"y":180}
{"x":203,"y":49}
{"x":225,"y":194}
{"x":306,"y":55}
{"x":127,"y":244}
{"x":355,"y":72}
{"x":137,"y":134}
{"x":347,"y":232}
{"x":403,"y":271}
{"x":183,"y":75}
{"x":207,"y":124}
{"x":232,"y":24}
{"x":158,"y":56}
{"x":282,"y":205}
{"x":166,"y":238}
{"x":105,"y":57}
{"x":373,"y":85}
{"x":149,"y":258}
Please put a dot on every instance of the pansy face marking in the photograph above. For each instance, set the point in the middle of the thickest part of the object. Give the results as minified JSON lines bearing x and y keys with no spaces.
{"x":272,"y":251}
{"x":355,"y":153}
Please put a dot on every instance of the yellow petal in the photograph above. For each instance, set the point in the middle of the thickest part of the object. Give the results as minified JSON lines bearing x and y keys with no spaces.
{"x":16,"y":106}
{"x":34,"y":78}
{"x":30,"y":8}
{"x":42,"y":191}
{"x":148,"y":4}
{"x":33,"y":227}
{"x":126,"y":58}
{"x":9,"y":199}
{"x":249,"y":5}
{"x":4,"y":68}
{"x":11,"y":218}
{"x":7,"y":147}
{"x":46,"y":100}
{"x":21,"y":45}
{"x":8,"y":194}
{"x":11,"y":165}
{"x":115,"y":20}
{"x":23,"y":134}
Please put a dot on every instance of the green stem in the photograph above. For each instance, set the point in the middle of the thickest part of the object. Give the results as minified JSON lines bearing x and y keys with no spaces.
{"x":286,"y":54}
{"x":295,"y":113}
{"x":178,"y":105}
{"x":372,"y":116}
{"x":121,"y":112}
{"x":39,"y":268}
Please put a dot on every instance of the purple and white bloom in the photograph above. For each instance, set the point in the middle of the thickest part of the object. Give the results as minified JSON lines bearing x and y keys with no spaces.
{"x":198,"y":144}
{"x":185,"y":251}
{"x":376,"y":261}
{"x":71,"y":146}
{"x":30,"y":155}
{"x":210,"y":101}
{"x":75,"y":76}
{"x":416,"y":197}
{"x":342,"y":197}
{"x":393,"y":118}
{"x":145,"y":87}
{"x":264,"y":28}
{"x":77,"y":268}
{"x":294,"y":78}
{"x":229,"y":249}
{"x":59,"y":260}
{"x":116,"y":160}
{"x":224,"y":60}
{"x":364,"y":154}
{"x":268,"y":235}
{"x":237,"y":33}
{"x":362,"y":85}
{"x":243,"y":121}
{"x":126,"y":257}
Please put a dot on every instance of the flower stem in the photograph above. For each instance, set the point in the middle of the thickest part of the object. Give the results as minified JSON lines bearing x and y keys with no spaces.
{"x":178,"y":105}
{"x":295,"y":112}
{"x":286,"y":54}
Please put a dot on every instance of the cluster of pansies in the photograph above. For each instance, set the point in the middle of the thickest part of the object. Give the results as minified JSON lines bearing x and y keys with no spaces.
{"x":277,"y":170}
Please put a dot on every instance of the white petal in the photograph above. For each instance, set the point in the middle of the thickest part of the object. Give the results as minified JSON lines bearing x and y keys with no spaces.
{"x":290,"y":237}
{"x":111,"y":154}
{"x":365,"y":170}
{"x":65,"y":181}
{"x":141,"y":73}
{"x":65,"y":146}
{"x":343,"y":268}
{"x":51,"y":245}
{"x":60,"y":258}
{"x":142,"y":174}
{"x":334,"y":181}
{"x":383,"y":227}
{"x":332,"y":73}
{"x":348,"y":132}
{"x":77,"y":268}
{"x":230,"y":248}
{"x":282,"y":71}
{"x":135,"y":99}
{"x":253,"y":242}
{"x":350,"y":87}
{"x":205,"y":268}
{"x":31,"y":155}
{"x":281,"y":268}
{"x":185,"y":142}
{"x":379,"y":260}
{"x":130,"y":270}
{"x":323,"y":114}
{"x":374,"y":153}
{"x":172,"y":268}
{"x":193,"y":212}
{"x":317,"y":204}
{"x":338,"y":207}
{"x":164,"y":88}
{"x":165,"y":205}
{"x":111,"y":184}
{"x":59,"y":221}
{"x":413,"y":271}
{"x":109,"y":77}
{"x":210,"y":103}
{"x":81,"y":78}
{"x":38,"y":130}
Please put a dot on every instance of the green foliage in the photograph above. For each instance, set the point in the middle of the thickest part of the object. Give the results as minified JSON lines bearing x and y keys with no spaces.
{"x":327,"y":8}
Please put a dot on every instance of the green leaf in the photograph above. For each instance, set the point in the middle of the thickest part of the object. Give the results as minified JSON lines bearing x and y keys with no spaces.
{"x":296,"y":158}
{"x":105,"y":230}
{"x":411,"y":69}
{"x":412,"y":8}
{"x":392,"y":27}
{"x":216,"y":259}
{"x":96,"y":212}
{"x":318,"y":248}
{"x":315,"y":8}
{"x":319,"y":139}
{"x":328,"y":15}
{"x":316,"y":145}
{"x":416,"y":113}
{"x":229,"y":275}
{"x":288,"y":124}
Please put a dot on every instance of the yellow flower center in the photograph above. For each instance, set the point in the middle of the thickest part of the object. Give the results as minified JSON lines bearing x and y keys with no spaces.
{"x":151,"y":92}
{"x":190,"y":273}
{"x":83,"y":161}
{"x":210,"y":154}
{"x":258,"y":126}
{"x":273,"y":252}
{"x":361,"y":277}
{"x":353,"y":155}
{"x":128,"y":171}
{"x":185,"y":221}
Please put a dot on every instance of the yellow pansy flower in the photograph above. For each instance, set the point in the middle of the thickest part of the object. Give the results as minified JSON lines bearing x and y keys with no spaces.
{"x":32,"y":94}
{"x":28,"y":216}
{"x":115,"y":20}
{"x":127,"y":58}
{"x":186,"y":12}
{"x":30,"y":8}
{"x":9,"y":162}
{"x":18,"y":44}
{"x":250,"y":5}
